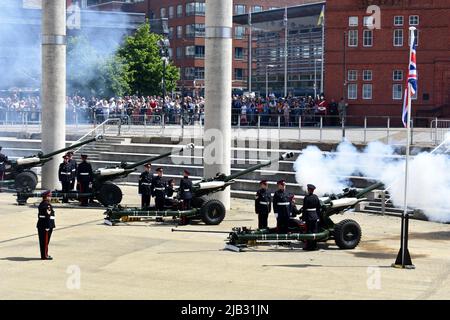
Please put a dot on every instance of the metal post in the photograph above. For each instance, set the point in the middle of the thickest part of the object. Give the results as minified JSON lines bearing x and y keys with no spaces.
{"x":285,"y":51}
{"x":315,"y":78}
{"x":383,"y":203}
{"x":436,"y":133}
{"x":250,"y":53}
{"x":259,"y":125}
{"x":365,"y":129}
{"x":321,"y":127}
{"x":388,"y":129}
{"x":300,"y":128}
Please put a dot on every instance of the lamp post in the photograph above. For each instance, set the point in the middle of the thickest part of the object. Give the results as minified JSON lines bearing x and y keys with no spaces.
{"x":164,"y":45}
{"x":267,"y":78}
{"x":315,"y":77}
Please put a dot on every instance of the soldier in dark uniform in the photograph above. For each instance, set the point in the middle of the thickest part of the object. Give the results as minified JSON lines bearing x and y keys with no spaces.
{"x":159,"y":189}
{"x":74,"y":166}
{"x":170,"y":190}
{"x":65,"y":176}
{"x":282,"y":207}
{"x":310,"y":214}
{"x":185,"y":190}
{"x":85,"y":177}
{"x":145,"y":186}
{"x":3,"y":162}
{"x":45,"y":224}
{"x":263,"y":204}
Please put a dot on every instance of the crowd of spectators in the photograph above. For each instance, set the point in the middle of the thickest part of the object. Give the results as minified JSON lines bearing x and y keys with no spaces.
{"x":246,"y":111}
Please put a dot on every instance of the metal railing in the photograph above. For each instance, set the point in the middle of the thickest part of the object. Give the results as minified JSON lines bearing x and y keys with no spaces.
{"x":440,"y":128}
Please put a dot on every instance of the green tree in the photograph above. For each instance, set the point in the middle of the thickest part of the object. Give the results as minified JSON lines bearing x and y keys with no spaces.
{"x":141,"y":53}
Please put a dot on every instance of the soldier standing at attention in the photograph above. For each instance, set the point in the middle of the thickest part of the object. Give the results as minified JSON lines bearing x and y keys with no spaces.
{"x":45,"y":224}
{"x":170,"y":190}
{"x":65,"y":177}
{"x":263,"y":204}
{"x":3,"y":162}
{"x":145,"y":186}
{"x":311,"y":212}
{"x":85,"y":177}
{"x":282,"y":207}
{"x":185,"y":190}
{"x":74,"y":168}
{"x":159,"y":189}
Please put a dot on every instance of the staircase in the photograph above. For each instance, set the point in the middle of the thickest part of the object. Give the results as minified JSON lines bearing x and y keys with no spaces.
{"x":376,"y":205}
{"x":95,"y":149}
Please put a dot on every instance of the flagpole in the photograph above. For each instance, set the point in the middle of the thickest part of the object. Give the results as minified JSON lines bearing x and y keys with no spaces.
{"x":323,"y":51}
{"x":285,"y":52}
{"x":403,"y":258}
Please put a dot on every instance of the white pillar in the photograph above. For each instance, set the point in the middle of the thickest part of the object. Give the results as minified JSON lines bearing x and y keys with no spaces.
{"x":218,"y":81}
{"x":53,"y":87}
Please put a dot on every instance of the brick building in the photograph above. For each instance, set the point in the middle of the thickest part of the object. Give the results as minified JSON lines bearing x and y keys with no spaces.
{"x":186,"y":19}
{"x":376,"y":61}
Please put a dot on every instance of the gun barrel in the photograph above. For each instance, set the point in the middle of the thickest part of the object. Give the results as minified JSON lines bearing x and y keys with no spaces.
{"x":363,"y":192}
{"x":76,"y":145}
{"x":164,"y":155}
{"x":202,"y":231}
{"x":258,"y":166}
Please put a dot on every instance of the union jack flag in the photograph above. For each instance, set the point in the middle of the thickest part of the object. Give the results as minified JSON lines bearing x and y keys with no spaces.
{"x":411,"y":85}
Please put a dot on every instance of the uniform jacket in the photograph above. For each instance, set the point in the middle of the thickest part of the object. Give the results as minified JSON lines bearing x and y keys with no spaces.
{"x":263,"y":201}
{"x":311,"y":207}
{"x":158,"y":187}
{"x":281,"y":204}
{"x":84,"y":172}
{"x":3,"y":161}
{"x":46,"y":216}
{"x":185,"y":189}
{"x":145,"y":183}
{"x":65,"y":172}
{"x":74,"y":168}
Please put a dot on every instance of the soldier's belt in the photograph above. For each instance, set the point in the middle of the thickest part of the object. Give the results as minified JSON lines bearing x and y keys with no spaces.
{"x":160,"y":189}
{"x":264,"y":203}
{"x":169,"y":197}
{"x":41,"y":217}
{"x":283,"y":203}
{"x":66,"y":173}
{"x":84,"y":174}
{"x":186,"y":190}
{"x":52,"y":218}
{"x":146,"y":184}
{"x":311,"y":209}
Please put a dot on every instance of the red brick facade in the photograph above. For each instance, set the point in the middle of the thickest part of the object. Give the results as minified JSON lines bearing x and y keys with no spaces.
{"x":383,"y":58}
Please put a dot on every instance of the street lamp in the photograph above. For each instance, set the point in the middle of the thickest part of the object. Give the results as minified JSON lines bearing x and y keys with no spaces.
{"x":164,"y":45}
{"x":315,"y":76}
{"x":267,"y":78}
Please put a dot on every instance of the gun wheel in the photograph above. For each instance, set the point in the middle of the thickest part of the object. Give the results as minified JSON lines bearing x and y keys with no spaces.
{"x":26,"y":180}
{"x":212,"y":212}
{"x":347,"y":234}
{"x":109,"y":194}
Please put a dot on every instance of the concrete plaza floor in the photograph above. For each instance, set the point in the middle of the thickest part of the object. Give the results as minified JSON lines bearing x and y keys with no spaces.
{"x":148,"y":261}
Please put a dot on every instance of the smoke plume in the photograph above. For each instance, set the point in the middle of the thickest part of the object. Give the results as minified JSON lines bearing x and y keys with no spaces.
{"x":428,"y":178}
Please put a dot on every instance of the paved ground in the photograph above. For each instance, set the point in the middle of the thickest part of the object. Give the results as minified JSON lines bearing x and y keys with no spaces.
{"x":148,"y":261}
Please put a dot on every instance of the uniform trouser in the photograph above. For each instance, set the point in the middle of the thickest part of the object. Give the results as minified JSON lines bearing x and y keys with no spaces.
{"x":72,"y":184}
{"x":282,"y":224}
{"x":312,"y":226}
{"x":262,"y":220}
{"x":186,"y":204}
{"x":44,"y":240}
{"x":145,"y":201}
{"x":159,"y":203}
{"x":65,"y":189}
{"x":84,"y":188}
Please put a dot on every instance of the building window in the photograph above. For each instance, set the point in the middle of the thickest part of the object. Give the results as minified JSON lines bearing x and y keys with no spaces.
{"x":179,"y":10}
{"x":199,"y":73}
{"x":190,"y":9}
{"x":413,"y":20}
{"x":199,"y":29}
{"x":239,"y":9}
{"x":368,"y":38}
{"x":163,"y":12}
{"x":398,"y":37}
{"x":273,"y":8}
{"x":239,"y":32}
{"x":397,"y":75}
{"x":368,"y":21}
{"x":398,"y":20}
{"x":179,"y":52}
{"x":367,"y":91}
{"x":189,"y":73}
{"x":170,"y":35}
{"x":200,"y":8}
{"x":397,"y":92}
{"x":367,"y":75}
{"x":353,"y":38}
{"x":199,"y":51}
{"x":257,"y":9}
{"x":352,"y":75}
{"x":239,"y":74}
{"x":352,"y":91}
{"x":239,"y":53}
{"x":179,"y":32}
{"x":171,"y":12}
{"x":189,"y":51}
{"x":416,"y":37}
{"x":353,"y":21}
{"x":190,"y":31}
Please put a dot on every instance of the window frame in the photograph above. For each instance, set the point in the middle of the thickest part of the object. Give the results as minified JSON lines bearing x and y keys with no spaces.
{"x":179,"y":12}
{"x":352,"y":85}
{"x":394,"y":86}
{"x":397,"y":72}
{"x":414,"y":16}
{"x":402,"y":37}
{"x":402,"y":19}
{"x":353,"y":18}
{"x":366,"y":72}
{"x":355,"y":72}
{"x":367,"y":85}
{"x":365,"y":31}
{"x":353,"y":32}
{"x":239,"y":5}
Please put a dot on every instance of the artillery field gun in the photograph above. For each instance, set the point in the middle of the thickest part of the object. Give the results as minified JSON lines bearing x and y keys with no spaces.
{"x":211,"y":212}
{"x":106,"y":192}
{"x":19,"y":174}
{"x":346,"y":233}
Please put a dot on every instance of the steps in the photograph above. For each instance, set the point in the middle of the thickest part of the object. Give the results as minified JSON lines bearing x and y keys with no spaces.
{"x":376,"y":206}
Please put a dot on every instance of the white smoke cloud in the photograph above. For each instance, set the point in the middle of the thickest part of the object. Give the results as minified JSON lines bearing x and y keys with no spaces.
{"x":428,"y":178}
